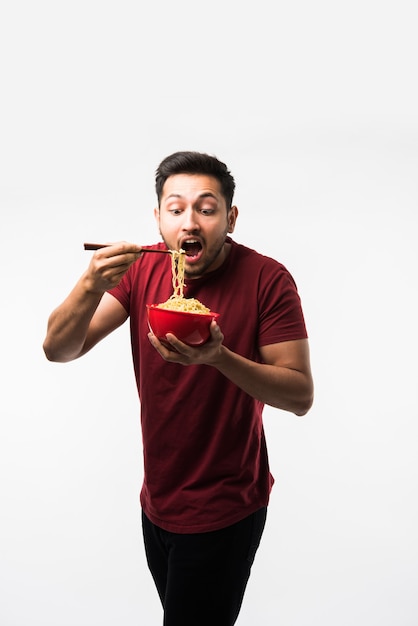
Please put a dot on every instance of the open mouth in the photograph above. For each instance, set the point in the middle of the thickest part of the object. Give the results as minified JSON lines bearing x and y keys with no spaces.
{"x":192,"y":247}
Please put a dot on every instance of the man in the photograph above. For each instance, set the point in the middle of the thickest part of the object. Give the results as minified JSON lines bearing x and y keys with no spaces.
{"x":206,"y":474}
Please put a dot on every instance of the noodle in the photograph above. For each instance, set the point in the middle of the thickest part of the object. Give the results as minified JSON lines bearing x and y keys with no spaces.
{"x":177,"y":301}
{"x":188,"y":305}
{"x":177,"y":270}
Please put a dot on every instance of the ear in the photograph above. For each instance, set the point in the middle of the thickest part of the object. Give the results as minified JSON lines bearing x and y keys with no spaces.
{"x":157,"y":215}
{"x":232,"y":218}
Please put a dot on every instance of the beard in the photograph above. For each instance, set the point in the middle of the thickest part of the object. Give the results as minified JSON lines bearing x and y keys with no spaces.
{"x":201,"y":268}
{"x":210,"y":257}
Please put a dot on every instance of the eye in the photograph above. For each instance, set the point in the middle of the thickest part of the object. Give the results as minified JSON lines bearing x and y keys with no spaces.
{"x":175,"y":211}
{"x":207,"y":211}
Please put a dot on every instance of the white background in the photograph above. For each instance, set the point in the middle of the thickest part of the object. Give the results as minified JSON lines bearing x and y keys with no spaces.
{"x":313,"y":106}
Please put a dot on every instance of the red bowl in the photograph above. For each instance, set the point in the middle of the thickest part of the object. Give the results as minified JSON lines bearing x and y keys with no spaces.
{"x":190,"y":328}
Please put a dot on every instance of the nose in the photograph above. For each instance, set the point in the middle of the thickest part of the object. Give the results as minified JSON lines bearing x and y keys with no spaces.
{"x":190,"y":221}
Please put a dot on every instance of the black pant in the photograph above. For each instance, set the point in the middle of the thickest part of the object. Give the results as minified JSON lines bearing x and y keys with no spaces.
{"x":201,"y":578}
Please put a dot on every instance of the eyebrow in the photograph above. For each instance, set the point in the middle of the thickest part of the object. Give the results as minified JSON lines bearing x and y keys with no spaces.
{"x":205,"y":194}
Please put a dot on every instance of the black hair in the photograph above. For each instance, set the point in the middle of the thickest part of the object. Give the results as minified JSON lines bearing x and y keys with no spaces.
{"x":195,"y":163}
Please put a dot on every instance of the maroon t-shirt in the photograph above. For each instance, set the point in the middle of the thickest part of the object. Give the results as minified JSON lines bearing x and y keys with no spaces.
{"x":205,"y":456}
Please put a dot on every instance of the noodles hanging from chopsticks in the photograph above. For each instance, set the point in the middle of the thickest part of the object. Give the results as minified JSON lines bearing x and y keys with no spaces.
{"x":177,"y":301}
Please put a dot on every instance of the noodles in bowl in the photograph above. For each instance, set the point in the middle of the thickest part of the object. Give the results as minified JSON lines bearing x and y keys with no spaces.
{"x":191,"y":328}
{"x":187,"y":305}
{"x":186,"y":318}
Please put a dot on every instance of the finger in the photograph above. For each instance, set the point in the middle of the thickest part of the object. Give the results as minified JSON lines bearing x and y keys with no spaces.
{"x":122,"y":249}
{"x":119,"y":247}
{"x":117,"y":259}
{"x":215,"y":331}
{"x":178,"y":345}
{"x":170,"y":355}
{"x":158,"y":345}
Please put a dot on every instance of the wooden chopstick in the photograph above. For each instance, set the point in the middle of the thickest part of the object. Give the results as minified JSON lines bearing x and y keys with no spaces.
{"x":97,"y":246}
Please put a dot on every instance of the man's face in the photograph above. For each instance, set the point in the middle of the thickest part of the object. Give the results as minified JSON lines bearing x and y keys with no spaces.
{"x":193,"y":216}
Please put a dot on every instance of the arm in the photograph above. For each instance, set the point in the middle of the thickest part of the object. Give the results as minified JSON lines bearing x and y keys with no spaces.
{"x":283,"y":380}
{"x":88,"y":313}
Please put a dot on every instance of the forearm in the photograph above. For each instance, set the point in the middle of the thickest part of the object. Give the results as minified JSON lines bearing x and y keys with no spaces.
{"x":68,"y":325}
{"x":278,"y":386}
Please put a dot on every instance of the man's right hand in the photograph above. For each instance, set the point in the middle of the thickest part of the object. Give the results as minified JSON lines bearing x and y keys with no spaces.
{"x":109,"y":264}
{"x":89,"y":313}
